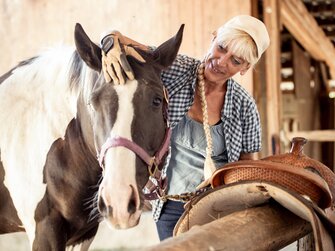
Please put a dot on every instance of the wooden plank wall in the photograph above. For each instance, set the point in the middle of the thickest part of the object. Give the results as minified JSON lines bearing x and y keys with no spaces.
{"x":28,"y":26}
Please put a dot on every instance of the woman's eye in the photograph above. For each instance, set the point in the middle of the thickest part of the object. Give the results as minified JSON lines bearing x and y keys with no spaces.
{"x":236,"y":61}
{"x":222,"y":48}
{"x":157,"y":101}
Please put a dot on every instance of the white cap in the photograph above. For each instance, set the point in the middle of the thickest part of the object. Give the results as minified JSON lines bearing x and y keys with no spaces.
{"x":254,"y":27}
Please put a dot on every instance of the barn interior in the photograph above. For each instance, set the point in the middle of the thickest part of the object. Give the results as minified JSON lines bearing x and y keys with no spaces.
{"x":304,"y":103}
{"x":293,"y":84}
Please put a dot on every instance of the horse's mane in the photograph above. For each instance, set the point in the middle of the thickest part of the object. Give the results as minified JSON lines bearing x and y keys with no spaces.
{"x":59,"y":65}
{"x":50,"y":61}
{"x":10,"y":72}
{"x":45,"y":84}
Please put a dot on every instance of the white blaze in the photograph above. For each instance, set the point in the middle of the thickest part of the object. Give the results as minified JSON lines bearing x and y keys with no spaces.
{"x":120,"y":170}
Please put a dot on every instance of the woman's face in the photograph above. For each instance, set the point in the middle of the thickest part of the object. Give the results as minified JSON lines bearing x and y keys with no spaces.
{"x":221,"y":64}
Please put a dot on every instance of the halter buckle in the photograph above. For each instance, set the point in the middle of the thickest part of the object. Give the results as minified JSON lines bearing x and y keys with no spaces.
{"x":152,"y":163}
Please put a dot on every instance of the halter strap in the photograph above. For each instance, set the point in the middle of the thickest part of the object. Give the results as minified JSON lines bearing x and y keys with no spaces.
{"x":139,"y":151}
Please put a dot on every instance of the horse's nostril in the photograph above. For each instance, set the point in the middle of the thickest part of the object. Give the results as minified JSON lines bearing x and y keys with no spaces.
{"x":132,"y":202}
{"x":110,"y":211}
{"x":101,"y":205}
{"x":132,"y":206}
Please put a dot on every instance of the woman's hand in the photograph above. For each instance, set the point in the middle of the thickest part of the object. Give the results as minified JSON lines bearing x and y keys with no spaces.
{"x":115,"y":65}
{"x":248,"y":156}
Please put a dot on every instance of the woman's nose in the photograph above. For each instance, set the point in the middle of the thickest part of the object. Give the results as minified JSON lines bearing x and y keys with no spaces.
{"x":223,"y":59}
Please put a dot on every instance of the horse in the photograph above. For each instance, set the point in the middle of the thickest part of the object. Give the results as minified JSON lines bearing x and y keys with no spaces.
{"x":57,"y":113}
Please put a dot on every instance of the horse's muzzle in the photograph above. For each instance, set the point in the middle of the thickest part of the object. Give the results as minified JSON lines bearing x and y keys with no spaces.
{"x":122,"y":215}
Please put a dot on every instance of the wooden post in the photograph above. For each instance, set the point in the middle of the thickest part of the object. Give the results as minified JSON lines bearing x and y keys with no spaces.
{"x":272,"y":70}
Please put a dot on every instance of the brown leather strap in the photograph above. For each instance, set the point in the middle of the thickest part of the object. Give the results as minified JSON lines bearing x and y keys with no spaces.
{"x":218,"y":177}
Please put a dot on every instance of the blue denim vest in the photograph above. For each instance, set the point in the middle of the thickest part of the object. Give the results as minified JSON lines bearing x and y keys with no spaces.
{"x":188,"y":150}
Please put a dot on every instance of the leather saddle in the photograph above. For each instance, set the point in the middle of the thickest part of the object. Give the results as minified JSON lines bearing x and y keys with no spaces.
{"x":297,"y":183}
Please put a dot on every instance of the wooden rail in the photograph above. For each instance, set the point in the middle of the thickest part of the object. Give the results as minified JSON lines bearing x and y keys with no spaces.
{"x":263,"y":228}
{"x":315,"y":135}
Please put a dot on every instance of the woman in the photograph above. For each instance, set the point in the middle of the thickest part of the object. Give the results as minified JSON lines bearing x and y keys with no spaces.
{"x":214,"y":120}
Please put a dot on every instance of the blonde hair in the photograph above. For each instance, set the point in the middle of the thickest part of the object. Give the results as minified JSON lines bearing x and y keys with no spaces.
{"x":239,"y":43}
{"x":209,"y":166}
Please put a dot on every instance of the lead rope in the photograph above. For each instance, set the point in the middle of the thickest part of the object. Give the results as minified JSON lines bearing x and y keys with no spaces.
{"x":209,"y":166}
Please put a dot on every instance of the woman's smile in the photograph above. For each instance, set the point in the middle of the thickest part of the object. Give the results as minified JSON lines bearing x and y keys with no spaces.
{"x":215,"y":72}
{"x":216,"y":68}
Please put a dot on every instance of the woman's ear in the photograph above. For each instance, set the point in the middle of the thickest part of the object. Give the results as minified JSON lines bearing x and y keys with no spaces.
{"x":244,"y":70}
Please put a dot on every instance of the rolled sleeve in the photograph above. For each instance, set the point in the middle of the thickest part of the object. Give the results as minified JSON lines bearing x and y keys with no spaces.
{"x":251,"y":134}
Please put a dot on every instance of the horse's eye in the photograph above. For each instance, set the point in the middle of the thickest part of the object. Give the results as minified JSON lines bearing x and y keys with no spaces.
{"x":157,"y":101}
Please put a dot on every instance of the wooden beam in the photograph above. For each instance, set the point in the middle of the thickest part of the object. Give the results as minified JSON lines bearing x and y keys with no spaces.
{"x":272,"y":70}
{"x":305,"y":29}
{"x":316,"y":135}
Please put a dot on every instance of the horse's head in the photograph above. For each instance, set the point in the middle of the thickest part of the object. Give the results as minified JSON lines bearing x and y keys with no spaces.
{"x":129,"y":126}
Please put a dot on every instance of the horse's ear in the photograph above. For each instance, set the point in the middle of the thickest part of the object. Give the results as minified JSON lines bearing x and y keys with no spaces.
{"x":88,"y":51}
{"x":167,"y":52}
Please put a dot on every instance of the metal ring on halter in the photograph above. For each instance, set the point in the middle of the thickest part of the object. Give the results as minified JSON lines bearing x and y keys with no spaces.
{"x":162,"y":197}
{"x":166,"y":95}
{"x":152,"y":163}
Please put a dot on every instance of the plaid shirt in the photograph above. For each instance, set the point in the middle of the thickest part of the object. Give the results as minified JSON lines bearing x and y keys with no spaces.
{"x":241,"y":122}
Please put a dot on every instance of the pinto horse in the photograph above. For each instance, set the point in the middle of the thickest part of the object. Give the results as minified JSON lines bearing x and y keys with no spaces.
{"x":56,"y":113}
